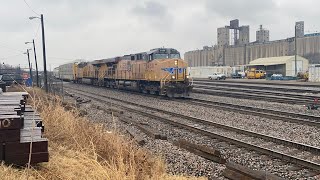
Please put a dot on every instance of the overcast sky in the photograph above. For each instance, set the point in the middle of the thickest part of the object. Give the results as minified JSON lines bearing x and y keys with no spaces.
{"x":92,"y":29}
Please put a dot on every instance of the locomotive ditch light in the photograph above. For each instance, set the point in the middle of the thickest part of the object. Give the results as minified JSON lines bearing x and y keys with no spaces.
{"x":187,"y":76}
{"x":173,"y":77}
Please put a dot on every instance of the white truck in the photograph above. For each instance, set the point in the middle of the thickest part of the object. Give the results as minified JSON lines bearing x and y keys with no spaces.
{"x":217,"y":76}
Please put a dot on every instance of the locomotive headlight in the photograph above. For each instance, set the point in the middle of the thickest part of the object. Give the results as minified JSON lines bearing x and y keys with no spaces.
{"x":176,"y":62}
{"x":173,"y":77}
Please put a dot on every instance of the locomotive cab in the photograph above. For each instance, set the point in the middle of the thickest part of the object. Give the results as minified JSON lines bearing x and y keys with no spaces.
{"x":167,"y":69}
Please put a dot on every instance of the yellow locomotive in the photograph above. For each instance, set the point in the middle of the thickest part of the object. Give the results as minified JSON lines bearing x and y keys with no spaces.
{"x":159,"y":71}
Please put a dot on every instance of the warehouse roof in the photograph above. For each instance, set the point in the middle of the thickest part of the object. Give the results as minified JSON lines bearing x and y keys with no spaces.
{"x":273,"y":60}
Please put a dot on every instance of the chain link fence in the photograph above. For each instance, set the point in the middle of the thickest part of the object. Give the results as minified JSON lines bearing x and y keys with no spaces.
{"x":55,"y":86}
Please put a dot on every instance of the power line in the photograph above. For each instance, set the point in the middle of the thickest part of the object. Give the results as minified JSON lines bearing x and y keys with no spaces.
{"x":31,"y":8}
{"x":12,"y":56}
{"x":11,"y":48}
{"x":60,"y":58}
{"x":37,"y":31}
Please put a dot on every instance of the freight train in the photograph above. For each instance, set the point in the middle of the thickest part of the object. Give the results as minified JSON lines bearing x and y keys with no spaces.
{"x":159,"y":71}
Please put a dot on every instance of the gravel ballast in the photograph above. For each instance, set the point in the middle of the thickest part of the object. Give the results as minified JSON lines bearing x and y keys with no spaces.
{"x":257,"y":124}
{"x":290,"y":131}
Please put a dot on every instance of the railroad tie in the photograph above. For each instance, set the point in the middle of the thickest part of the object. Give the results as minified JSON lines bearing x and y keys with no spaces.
{"x":149,"y":131}
{"x":200,"y":150}
{"x":235,"y":171}
{"x":136,"y":137}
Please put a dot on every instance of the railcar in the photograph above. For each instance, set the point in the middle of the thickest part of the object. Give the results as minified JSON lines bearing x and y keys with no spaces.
{"x":67,"y":71}
{"x":159,"y":71}
{"x":55,"y":73}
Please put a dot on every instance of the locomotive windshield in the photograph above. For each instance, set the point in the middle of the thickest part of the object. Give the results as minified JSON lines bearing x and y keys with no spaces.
{"x":161,"y":56}
{"x":164,"y":54}
{"x":175,"y":56}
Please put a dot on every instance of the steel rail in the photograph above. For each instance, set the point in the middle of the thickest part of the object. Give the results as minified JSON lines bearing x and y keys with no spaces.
{"x":304,"y":118}
{"x":259,"y":83}
{"x":253,"y":96}
{"x":264,"y":91}
{"x":267,"y":113}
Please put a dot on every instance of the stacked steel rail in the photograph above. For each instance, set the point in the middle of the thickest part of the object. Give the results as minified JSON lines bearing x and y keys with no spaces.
{"x":21,"y":131}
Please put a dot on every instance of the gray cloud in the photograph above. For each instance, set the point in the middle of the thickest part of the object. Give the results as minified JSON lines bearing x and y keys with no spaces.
{"x":249,"y":10}
{"x":151,"y":8}
{"x":105,"y":28}
{"x":154,"y":15}
{"x":75,"y":14}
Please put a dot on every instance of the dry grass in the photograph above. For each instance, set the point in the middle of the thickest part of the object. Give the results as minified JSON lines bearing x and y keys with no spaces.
{"x":80,"y":149}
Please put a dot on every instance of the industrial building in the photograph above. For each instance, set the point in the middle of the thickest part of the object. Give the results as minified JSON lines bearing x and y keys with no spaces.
{"x":204,"y":71}
{"x":224,"y":34}
{"x":240,"y":51}
{"x":284,"y":65}
{"x":262,"y":35}
{"x":314,"y":73}
{"x":300,"y":29}
{"x":203,"y":57}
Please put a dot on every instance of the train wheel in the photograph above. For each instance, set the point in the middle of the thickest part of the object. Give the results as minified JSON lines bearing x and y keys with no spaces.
{"x":170,"y":95}
{"x":153,"y":92}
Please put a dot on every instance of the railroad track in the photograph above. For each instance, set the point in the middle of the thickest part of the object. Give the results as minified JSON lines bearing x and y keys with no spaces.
{"x":262,"y":90}
{"x":259,"y":84}
{"x":266,"y":113}
{"x":257,"y":142}
{"x":252,"y":95}
{"x":241,"y":95}
{"x":259,"y":92}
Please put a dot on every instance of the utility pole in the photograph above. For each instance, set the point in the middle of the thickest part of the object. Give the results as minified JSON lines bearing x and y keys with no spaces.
{"x":2,"y":70}
{"x":44,"y":52}
{"x":35,"y":59}
{"x":295,"y":51}
{"x":44,"y":56}
{"x":29,"y":65}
